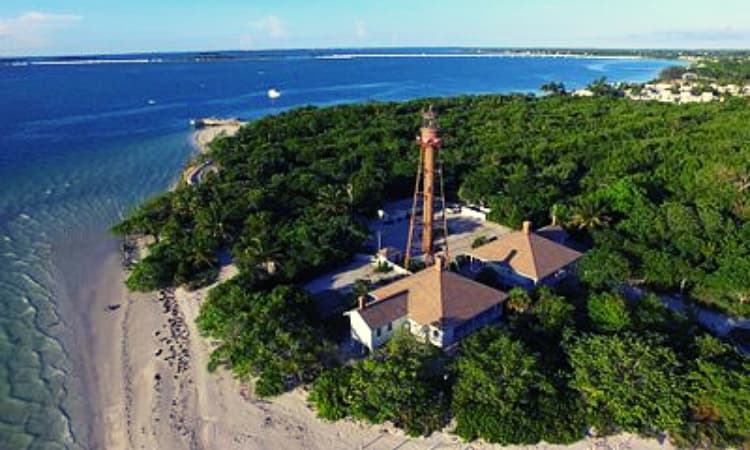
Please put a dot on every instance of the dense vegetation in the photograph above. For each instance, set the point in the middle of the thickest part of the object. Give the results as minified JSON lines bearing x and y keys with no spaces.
{"x":404,"y":383}
{"x":663,"y":190}
{"x":548,"y":374}
{"x":724,"y":69}
{"x":266,"y":334}
{"x":660,"y":192}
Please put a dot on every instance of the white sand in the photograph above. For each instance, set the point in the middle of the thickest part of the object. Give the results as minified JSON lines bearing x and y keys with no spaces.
{"x":203,"y":137}
{"x":201,"y":140}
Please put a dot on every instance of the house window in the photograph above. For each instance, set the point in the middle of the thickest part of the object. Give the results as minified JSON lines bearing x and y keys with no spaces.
{"x":378,"y":332}
{"x":435,"y":334}
{"x":390,"y":326}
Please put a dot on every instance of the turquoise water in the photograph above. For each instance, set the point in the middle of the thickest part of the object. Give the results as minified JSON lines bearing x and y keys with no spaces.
{"x":81,"y":144}
{"x":46,"y":210}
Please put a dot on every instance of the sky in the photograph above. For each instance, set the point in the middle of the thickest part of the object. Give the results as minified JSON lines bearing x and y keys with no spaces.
{"x":73,"y":27}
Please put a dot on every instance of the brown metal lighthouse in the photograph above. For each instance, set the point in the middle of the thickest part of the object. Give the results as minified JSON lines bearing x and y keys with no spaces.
{"x":429,"y":171}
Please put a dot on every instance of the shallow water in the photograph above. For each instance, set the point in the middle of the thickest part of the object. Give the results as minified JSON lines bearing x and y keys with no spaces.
{"x":81,"y":144}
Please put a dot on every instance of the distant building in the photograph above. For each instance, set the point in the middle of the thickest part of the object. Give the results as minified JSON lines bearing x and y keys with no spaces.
{"x":526,"y":258}
{"x":436,"y":305}
{"x":583,"y":93}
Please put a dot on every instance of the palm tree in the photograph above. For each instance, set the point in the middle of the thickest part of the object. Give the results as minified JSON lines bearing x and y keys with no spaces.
{"x":589,"y":215}
{"x":333,"y":200}
{"x":202,"y":255}
{"x":554,"y":88}
{"x":210,"y":219}
{"x":262,"y":251}
{"x":518,"y":300}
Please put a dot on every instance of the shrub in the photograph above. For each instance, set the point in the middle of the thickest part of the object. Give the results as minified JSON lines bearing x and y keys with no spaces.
{"x":608,"y":312}
{"x":329,"y":393}
{"x":402,"y":383}
{"x":719,"y":402}
{"x":602,"y":268}
{"x":383,"y":267}
{"x":479,"y":241}
{"x":553,"y":312}
{"x":265,"y":334}
{"x":519,"y":300}
{"x":502,"y":395}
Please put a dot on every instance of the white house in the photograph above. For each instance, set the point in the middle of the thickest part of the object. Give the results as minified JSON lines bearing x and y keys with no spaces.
{"x":436,"y":305}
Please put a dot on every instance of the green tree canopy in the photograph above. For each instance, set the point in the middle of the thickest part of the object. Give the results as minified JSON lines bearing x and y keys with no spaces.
{"x":501,"y":394}
{"x":603,"y":268}
{"x":263,"y":334}
{"x":497,"y":382}
{"x":719,"y":402}
{"x":553,"y":313}
{"x":402,"y":383}
{"x":628,"y":381}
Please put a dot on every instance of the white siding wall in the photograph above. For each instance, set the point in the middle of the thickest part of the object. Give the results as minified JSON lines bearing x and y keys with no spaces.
{"x":434,"y":335}
{"x":361,"y":332}
{"x":385,"y":333}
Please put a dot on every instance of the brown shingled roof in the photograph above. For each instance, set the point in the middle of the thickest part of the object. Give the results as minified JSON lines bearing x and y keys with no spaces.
{"x":527,"y":253}
{"x":554,"y":233}
{"x":385,"y":311}
{"x":436,"y":296}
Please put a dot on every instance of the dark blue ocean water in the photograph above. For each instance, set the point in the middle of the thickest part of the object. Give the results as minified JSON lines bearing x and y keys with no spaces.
{"x":82,"y":143}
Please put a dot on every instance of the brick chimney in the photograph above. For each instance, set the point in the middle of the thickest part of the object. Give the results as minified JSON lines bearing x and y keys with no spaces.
{"x":362,"y":302}
{"x":527,"y":227}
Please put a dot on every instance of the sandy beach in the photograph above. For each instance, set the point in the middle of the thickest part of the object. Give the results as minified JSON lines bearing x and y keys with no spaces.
{"x":202,"y":138}
{"x":151,"y":389}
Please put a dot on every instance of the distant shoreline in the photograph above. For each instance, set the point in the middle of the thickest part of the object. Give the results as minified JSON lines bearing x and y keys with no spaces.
{"x":234,"y":54}
{"x":342,"y":53}
{"x":345,"y":56}
{"x":479,"y":55}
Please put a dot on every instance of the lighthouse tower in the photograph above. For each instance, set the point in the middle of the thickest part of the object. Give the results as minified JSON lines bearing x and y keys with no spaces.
{"x":428,"y":194}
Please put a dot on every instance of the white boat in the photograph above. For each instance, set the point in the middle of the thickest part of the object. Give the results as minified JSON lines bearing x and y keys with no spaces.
{"x":151,"y":101}
{"x":273,"y":93}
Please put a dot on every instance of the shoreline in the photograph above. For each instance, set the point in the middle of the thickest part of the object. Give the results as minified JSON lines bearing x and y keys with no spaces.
{"x":485,"y":54}
{"x":201,"y":139}
{"x":89,"y":287}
